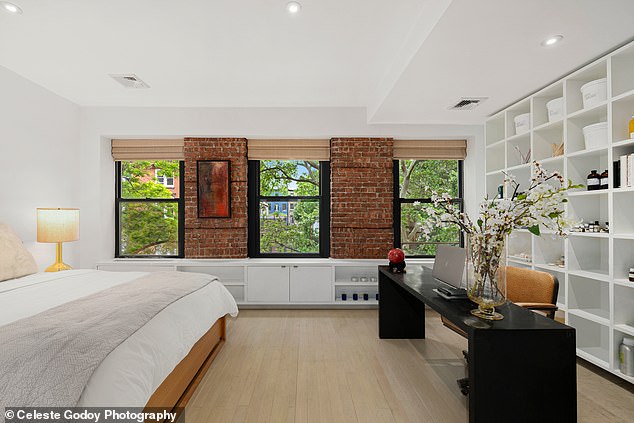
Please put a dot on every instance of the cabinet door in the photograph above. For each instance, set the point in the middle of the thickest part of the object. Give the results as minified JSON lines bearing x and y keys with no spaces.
{"x":267,"y":284}
{"x":311,"y":284}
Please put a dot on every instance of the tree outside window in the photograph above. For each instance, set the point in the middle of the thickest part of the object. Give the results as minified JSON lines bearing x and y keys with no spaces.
{"x":149,"y":213}
{"x":290,"y":199}
{"x":416,"y":180}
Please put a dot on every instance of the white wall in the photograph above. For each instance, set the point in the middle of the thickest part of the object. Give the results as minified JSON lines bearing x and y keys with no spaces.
{"x":100,"y":124}
{"x":39,"y":140}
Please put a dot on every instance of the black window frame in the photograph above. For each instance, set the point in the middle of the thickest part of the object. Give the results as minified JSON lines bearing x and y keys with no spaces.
{"x":254,"y":198}
{"x":181,"y":213}
{"x":399,"y":201}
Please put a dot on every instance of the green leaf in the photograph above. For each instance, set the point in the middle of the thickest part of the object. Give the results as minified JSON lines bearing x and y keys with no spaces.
{"x":480,"y":223}
{"x":553,"y":215}
{"x":521,"y":196}
{"x":534,"y":230}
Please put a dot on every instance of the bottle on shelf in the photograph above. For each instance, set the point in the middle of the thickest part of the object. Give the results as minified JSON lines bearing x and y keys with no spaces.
{"x":593,"y":180}
{"x":626,"y":356}
{"x":604,"y":180}
{"x":631,"y":128}
{"x":631,"y":274}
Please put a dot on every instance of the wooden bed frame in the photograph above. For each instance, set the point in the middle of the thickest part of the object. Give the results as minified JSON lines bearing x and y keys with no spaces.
{"x":177,"y":389}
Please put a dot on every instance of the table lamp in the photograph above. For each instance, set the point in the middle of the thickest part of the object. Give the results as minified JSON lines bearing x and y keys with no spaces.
{"x":57,"y":225}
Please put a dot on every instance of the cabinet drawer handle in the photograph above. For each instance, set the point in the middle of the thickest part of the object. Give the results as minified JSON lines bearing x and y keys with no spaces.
{"x":295,"y":267}
{"x":283,"y":267}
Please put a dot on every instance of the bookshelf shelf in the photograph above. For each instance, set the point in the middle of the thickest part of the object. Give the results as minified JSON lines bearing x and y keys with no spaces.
{"x":596,"y":296}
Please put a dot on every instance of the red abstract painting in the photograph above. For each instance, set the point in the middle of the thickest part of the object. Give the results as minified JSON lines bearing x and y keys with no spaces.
{"x":214,"y":188}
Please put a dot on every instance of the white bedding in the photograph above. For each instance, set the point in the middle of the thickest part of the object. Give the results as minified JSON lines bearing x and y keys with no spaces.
{"x":132,"y":372}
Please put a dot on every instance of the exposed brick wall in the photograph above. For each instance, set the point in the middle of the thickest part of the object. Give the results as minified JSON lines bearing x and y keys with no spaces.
{"x":216,"y":237}
{"x":361,"y":197}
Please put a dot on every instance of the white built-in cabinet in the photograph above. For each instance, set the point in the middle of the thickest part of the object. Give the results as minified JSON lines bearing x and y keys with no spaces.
{"x":594,"y":292}
{"x":270,"y":284}
{"x":309,"y":284}
{"x":279,"y":282}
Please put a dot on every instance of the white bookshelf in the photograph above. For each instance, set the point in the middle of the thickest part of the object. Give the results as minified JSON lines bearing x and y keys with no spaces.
{"x":594,"y":292}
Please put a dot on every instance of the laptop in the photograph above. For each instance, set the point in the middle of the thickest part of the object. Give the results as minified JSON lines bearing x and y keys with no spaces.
{"x":449,"y":270}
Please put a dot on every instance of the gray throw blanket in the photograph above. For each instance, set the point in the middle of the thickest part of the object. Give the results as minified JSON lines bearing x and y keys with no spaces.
{"x":47,"y":359}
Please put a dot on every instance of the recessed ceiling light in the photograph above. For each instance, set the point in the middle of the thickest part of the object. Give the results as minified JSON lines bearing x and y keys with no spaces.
{"x":552,"y":40}
{"x":293,"y":7}
{"x":11,"y":8}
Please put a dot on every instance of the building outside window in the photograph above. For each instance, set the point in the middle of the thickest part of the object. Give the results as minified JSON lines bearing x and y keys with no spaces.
{"x":413,"y":182}
{"x":289,"y":203}
{"x":149,"y":215}
{"x":167,"y":181}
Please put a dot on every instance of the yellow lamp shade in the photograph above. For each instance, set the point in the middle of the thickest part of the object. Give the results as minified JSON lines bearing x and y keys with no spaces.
{"x":57,"y":225}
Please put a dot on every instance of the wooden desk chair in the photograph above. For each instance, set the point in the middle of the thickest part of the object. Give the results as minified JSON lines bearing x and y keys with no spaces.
{"x":527,"y":288}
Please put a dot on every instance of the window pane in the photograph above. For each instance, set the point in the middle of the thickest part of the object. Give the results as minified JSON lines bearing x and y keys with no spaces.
{"x":289,"y":178}
{"x":147,"y":179}
{"x":438,"y":175}
{"x":412,"y":240}
{"x":289,"y":227}
{"x":148,"y":228}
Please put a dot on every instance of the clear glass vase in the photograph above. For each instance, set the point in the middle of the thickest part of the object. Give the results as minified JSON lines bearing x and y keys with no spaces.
{"x":486,"y":274}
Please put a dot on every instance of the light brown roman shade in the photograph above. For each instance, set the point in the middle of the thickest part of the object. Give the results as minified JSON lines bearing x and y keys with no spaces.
{"x":148,"y":149}
{"x":299,"y":149}
{"x":430,"y":149}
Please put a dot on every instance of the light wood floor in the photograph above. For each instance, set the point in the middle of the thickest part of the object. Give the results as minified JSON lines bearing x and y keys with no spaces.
{"x":329,"y":366}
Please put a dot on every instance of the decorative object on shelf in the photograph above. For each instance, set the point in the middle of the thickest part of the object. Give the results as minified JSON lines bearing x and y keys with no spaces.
{"x":396,"y":256}
{"x":593,"y":227}
{"x":366,"y":297}
{"x":541,"y":205}
{"x":523,"y":158}
{"x":344,"y":297}
{"x":354,"y":279}
{"x":594,"y":92}
{"x":355,"y":296}
{"x":57,"y":225}
{"x":555,"y":109}
{"x":631,"y":128}
{"x":595,"y":135}
{"x":522,"y":123}
{"x":604,"y":180}
{"x":373,"y":279}
{"x":363,"y":279}
{"x":522,"y":256}
{"x":631,"y":274}
{"x":593,"y":181}
{"x":214,"y":188}
{"x":558,"y":149}
{"x":500,"y":192}
{"x":561,"y":262}
{"x":626,"y":356}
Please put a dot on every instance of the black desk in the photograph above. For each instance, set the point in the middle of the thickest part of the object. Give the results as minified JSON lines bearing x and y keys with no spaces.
{"x":521,"y":368}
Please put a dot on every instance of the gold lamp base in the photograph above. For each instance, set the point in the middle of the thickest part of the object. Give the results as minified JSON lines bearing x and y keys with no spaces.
{"x":59,"y":264}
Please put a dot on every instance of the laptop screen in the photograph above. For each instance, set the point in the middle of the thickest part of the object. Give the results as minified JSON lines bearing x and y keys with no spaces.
{"x":449,"y":265}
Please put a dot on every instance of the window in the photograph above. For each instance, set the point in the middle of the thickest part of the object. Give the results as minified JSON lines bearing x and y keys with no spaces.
{"x":413,"y":182}
{"x":289,"y":208}
{"x":167,"y":181}
{"x":149,"y":217}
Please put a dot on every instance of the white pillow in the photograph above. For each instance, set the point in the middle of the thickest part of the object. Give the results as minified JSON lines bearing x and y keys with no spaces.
{"x":15,"y":260}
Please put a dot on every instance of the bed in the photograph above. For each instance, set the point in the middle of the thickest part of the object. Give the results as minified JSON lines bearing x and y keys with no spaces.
{"x":160,"y":363}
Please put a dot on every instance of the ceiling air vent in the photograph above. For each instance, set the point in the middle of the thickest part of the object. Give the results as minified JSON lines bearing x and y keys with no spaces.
{"x":467,"y":103}
{"x":129,"y":81}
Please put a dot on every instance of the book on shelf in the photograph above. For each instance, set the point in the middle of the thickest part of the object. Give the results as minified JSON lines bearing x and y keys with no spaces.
{"x":616,"y":174}
{"x":624,"y":171}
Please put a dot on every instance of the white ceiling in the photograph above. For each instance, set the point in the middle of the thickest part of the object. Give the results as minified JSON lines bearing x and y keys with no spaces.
{"x":405,"y":60}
